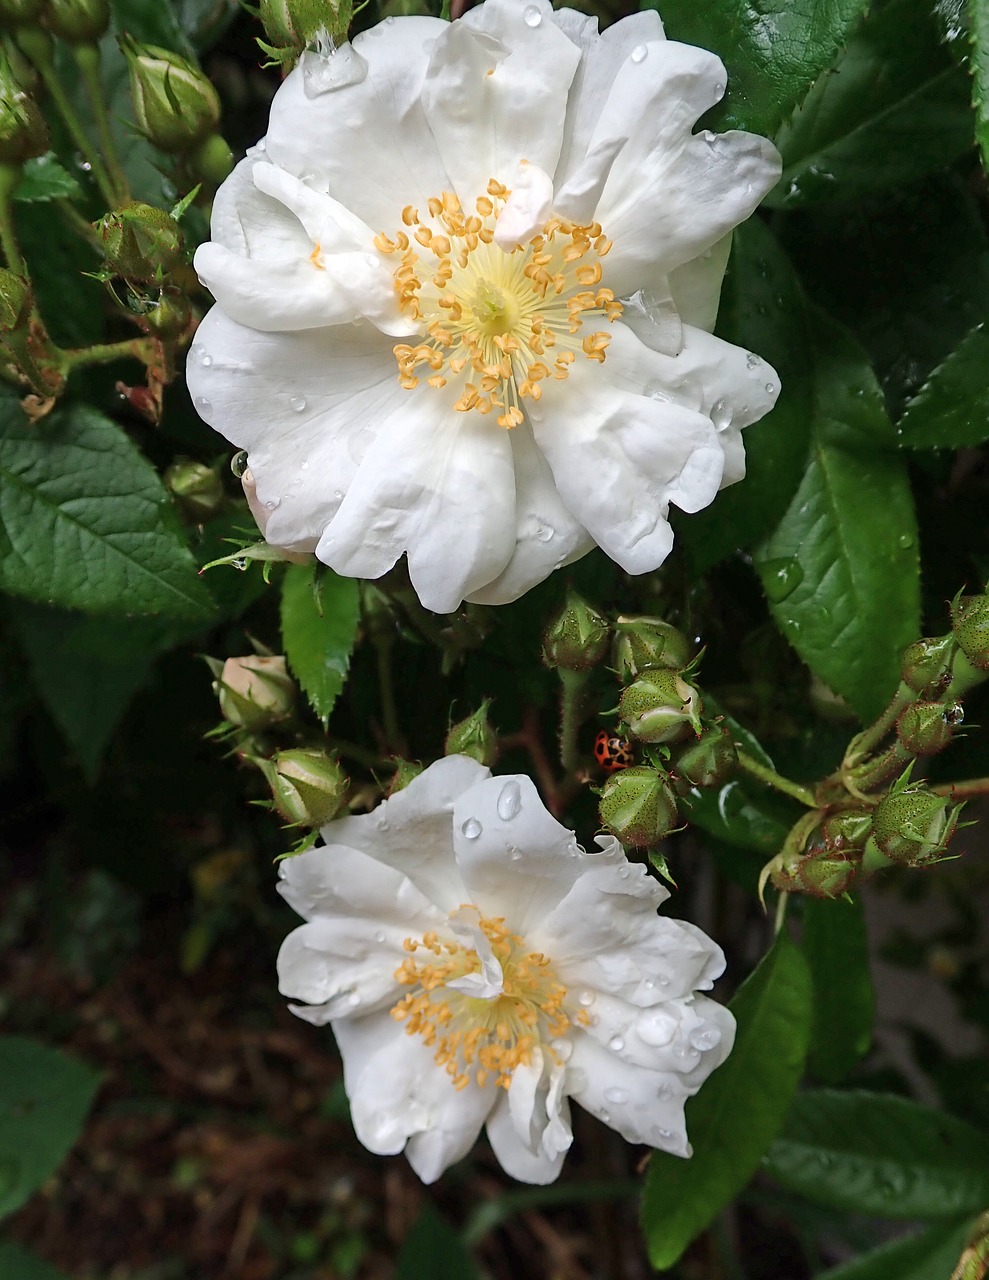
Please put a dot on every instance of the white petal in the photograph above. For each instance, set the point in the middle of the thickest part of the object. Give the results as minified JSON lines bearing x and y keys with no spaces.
{"x":696,"y":286}
{"x":546,"y":536}
{"x":343,"y":966}
{"x":412,"y":831}
{"x":367,"y":143}
{"x":529,"y":1129}
{"x":325,"y":220}
{"x":496,"y":93}
{"x":438,"y":484}
{"x":335,"y":880}
{"x":397,"y":1091}
{"x":527,"y":208}
{"x":248,"y":222}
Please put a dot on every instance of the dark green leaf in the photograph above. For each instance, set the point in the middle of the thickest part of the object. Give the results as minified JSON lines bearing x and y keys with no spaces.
{"x":44,"y":178}
{"x":763,"y":309}
{"x":85,"y":522}
{"x":836,"y":948}
{"x":44,"y":1098}
{"x":17,"y":1264}
{"x":841,"y":570}
{"x":931,"y":1255}
{"x":978,"y":12}
{"x":741,"y":814}
{"x":434,"y":1250}
{"x":774,"y":50}
{"x":70,"y":301}
{"x":319,"y":626}
{"x":951,"y":410}
{"x":879,"y":1154}
{"x":738,"y":1111}
{"x":895,"y":107}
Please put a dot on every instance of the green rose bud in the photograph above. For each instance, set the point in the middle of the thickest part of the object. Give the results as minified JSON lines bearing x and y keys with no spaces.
{"x":927,"y":727}
{"x":170,"y":315}
{"x":291,"y":25}
{"x":308,"y":787}
{"x":140,"y":242}
{"x":211,"y":160}
{"x":912,"y":826}
{"x":255,"y":692}
{"x":175,"y":106}
{"x":926,"y":664}
{"x":846,"y":829}
{"x":197,"y":489}
{"x":16,"y":13}
{"x":709,"y":761}
{"x":474,"y":737}
{"x":77,"y":21}
{"x":661,"y":707}
{"x":577,"y":638}
{"x":642,"y":642}
{"x":406,"y":771}
{"x":639,"y":806}
{"x":818,"y":874}
{"x":15,"y":301}
{"x":23,"y":132}
{"x":970,"y":623}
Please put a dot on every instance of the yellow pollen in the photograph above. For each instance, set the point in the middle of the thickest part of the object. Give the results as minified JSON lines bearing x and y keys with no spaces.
{"x":490,"y":317}
{"x":473,"y":1036}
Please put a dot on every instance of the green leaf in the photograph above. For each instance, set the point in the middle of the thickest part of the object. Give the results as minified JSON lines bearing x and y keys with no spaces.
{"x":319,"y":627}
{"x":43,"y":178}
{"x":978,"y":13}
{"x":894,"y":108}
{"x":85,"y":522}
{"x":762,"y":309}
{"x":17,"y":1264}
{"x":434,"y":1249}
{"x":738,"y":1111}
{"x":44,"y":1098}
{"x":879,"y":1154}
{"x":841,"y":570}
{"x":773,"y":50}
{"x":741,"y":814}
{"x":836,"y":947}
{"x":931,"y":1255}
{"x":951,"y":410}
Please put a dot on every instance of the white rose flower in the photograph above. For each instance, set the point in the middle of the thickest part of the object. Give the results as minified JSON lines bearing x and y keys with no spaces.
{"x":478,"y":967}
{"x":464,"y":292}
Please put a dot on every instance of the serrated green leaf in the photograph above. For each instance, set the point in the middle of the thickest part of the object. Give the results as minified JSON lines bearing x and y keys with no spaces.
{"x":894,"y":108}
{"x":841,"y":570}
{"x":879,"y":1154}
{"x":17,"y":1264}
{"x":773,"y":50}
{"x":978,"y":14}
{"x":43,"y":178}
{"x":951,"y":410}
{"x":741,"y":814}
{"x":435,"y":1250}
{"x":762,"y":309}
{"x":739,"y":1109}
{"x":85,"y":523}
{"x":44,"y":1098}
{"x":836,"y":947}
{"x":318,"y":631}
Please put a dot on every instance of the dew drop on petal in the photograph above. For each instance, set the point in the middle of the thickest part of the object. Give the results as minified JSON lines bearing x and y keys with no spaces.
{"x":532,"y":17}
{"x":721,"y":415}
{"x":471,"y":829}
{"x":383,"y":824}
{"x":752,"y":361}
{"x":705,"y":1038}
{"x":656,"y":1027}
{"x":379,"y":935}
{"x":514,"y":852}
{"x":353,"y":1000}
{"x":298,"y":403}
{"x":338,"y":494}
{"x":324,"y":71}
{"x":238,"y":463}
{"x":664,"y":1092}
{"x":271,"y":504}
{"x":203,"y":405}
{"x":770,"y":388}
{"x":616,"y":1095}
{"x":509,"y":801}
{"x":656,"y":391}
{"x":605,"y":1118}
{"x":545,"y":532}
{"x":562,"y":1048}
{"x":616,"y":1044}
{"x":650,"y":984}
{"x":664,"y":1134}
{"x":639,"y":53}
{"x":586,"y":998}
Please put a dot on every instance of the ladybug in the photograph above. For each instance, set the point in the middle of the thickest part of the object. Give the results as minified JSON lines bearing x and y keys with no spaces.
{"x":613,"y":753}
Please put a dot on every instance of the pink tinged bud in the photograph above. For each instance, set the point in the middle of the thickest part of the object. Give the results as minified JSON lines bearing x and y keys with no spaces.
{"x":256,"y":692}
{"x":577,"y":638}
{"x":639,"y":806}
{"x":642,"y":642}
{"x":661,"y":707}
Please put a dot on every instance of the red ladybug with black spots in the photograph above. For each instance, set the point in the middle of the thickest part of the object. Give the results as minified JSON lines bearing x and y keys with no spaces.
{"x":613,"y":753}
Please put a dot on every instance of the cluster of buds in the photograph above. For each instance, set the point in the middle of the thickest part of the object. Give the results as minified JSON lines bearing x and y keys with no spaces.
{"x":143,"y":246}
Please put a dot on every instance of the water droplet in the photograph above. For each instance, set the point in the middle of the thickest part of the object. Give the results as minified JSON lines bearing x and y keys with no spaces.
{"x":686,"y":1053}
{"x":616,"y":1044}
{"x":605,"y":1118}
{"x":705,"y":1038}
{"x":665,"y":1092}
{"x":639,"y":53}
{"x":650,"y":985}
{"x":509,"y":801}
{"x":326,"y":68}
{"x":545,"y":532}
{"x":238,"y":463}
{"x":383,"y":824}
{"x":575,"y":850}
{"x":623,"y":872}
{"x":298,"y":403}
{"x":720,"y":88}
{"x":353,"y":999}
{"x":514,"y":852}
{"x":616,"y":1095}
{"x":379,"y":935}
{"x":532,"y":17}
{"x":338,"y":494}
{"x":770,"y":388}
{"x":721,"y":414}
{"x":471,"y":828}
{"x":272,"y":504}
{"x":562,"y":1048}
{"x":586,"y":998}
{"x":752,"y":361}
{"x":656,"y":1027}
{"x":304,"y":464}
{"x":664,"y":1134}
{"x":240,"y":563}
{"x":203,"y":405}
{"x":780,"y":578}
{"x":905,"y":541}
{"x":954,"y":715}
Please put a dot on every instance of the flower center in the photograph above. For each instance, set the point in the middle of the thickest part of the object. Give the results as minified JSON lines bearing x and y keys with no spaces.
{"x":498,"y":322}
{"x":483,"y":1000}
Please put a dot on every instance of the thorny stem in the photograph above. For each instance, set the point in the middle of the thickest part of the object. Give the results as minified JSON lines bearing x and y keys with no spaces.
{"x":10,"y":175}
{"x":88,"y":60}
{"x":963,"y":790}
{"x":384,"y":644}
{"x":869,"y":776}
{"x":572,"y":685}
{"x":863,"y":743}
{"x":773,"y":779}
{"x":142,"y":349}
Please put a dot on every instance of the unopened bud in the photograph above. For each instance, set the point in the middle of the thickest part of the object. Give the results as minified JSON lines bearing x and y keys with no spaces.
{"x":709,"y":761}
{"x":474,"y":737}
{"x":307,"y":786}
{"x":15,"y":13}
{"x":639,"y":806}
{"x":255,"y":692}
{"x":15,"y":301}
{"x":140,"y":241}
{"x":291,"y":25}
{"x":817,"y":874}
{"x":196,"y":488}
{"x":642,"y":642}
{"x":77,"y":21}
{"x":577,"y":638}
{"x":661,"y":707}
{"x":970,"y":623}
{"x":170,"y":315}
{"x":926,"y":664}
{"x":211,"y":160}
{"x":927,"y":727}
{"x":912,"y":825}
{"x":845,"y":830}
{"x":406,"y":771}
{"x":23,"y":132}
{"x":175,"y":106}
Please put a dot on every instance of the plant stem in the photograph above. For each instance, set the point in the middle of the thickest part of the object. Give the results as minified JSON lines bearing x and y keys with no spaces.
{"x":866,"y":777}
{"x":572,"y":685}
{"x":383,"y":645}
{"x":863,"y":743}
{"x":10,"y":176}
{"x":88,"y":59}
{"x":773,"y":779}
{"x":963,"y":790}
{"x":103,"y":352}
